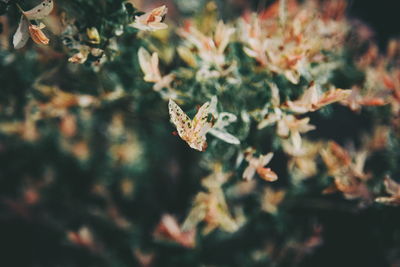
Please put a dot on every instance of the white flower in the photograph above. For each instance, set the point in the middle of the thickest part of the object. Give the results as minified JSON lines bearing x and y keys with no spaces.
{"x":210,"y":49}
{"x":149,"y":65}
{"x":313,"y":99}
{"x":258,"y":165}
{"x":392,"y":188}
{"x":291,"y":127}
{"x":151,"y":21}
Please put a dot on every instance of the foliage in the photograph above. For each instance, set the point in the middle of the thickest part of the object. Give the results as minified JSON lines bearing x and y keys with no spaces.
{"x":292,"y":112}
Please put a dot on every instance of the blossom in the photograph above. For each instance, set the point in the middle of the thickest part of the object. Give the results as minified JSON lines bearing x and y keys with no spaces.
{"x":252,"y":35}
{"x":83,"y":237}
{"x":290,"y":51}
{"x":82,"y":55}
{"x":258,"y":165}
{"x":302,"y":162}
{"x":211,"y":206}
{"x":313,"y":99}
{"x":169,"y":229}
{"x":37,"y":34}
{"x":79,"y":57}
{"x":271,"y":199}
{"x":339,"y":160}
{"x":210,"y":48}
{"x":393,"y":189}
{"x":152,"y":20}
{"x":290,"y":126}
{"x":347,"y":170}
{"x":149,"y":65}
{"x":93,"y":35}
{"x":187,"y":55}
{"x":276,"y":114}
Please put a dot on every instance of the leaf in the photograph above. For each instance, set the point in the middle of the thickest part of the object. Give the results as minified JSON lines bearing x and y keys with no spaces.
{"x":192,"y":131}
{"x":179,"y":119}
{"x":21,"y":36}
{"x":224,"y":119}
{"x":40,"y":11}
{"x":200,"y":124}
{"x":225,"y":136}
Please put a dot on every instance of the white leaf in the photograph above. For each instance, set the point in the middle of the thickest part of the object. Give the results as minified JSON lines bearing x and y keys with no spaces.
{"x":40,"y":11}
{"x":225,"y":136}
{"x":224,"y":119}
{"x":21,"y":36}
{"x":192,"y":131}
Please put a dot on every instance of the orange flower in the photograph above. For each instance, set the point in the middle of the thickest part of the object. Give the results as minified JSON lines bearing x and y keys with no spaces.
{"x":37,"y":34}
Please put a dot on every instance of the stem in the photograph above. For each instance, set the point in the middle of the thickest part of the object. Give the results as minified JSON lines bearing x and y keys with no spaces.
{"x":23,"y":12}
{"x":20,"y":8}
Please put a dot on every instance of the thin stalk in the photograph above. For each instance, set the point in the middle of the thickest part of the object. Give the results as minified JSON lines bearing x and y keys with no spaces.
{"x":20,"y":8}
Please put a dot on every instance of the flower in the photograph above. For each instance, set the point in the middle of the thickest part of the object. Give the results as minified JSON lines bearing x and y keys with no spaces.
{"x":313,"y":99}
{"x":290,"y":126}
{"x":258,"y":165}
{"x":276,"y":115}
{"x":169,"y":229}
{"x":149,"y":65}
{"x":210,"y":48}
{"x":347,"y":170}
{"x":81,"y":56}
{"x":37,"y":34}
{"x":302,"y":163}
{"x":83,"y":237}
{"x":151,"y":21}
{"x":271,"y":199}
{"x":252,"y":34}
{"x":211,"y":206}
{"x":393,"y":189}
{"x":93,"y":35}
{"x":289,"y":44}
